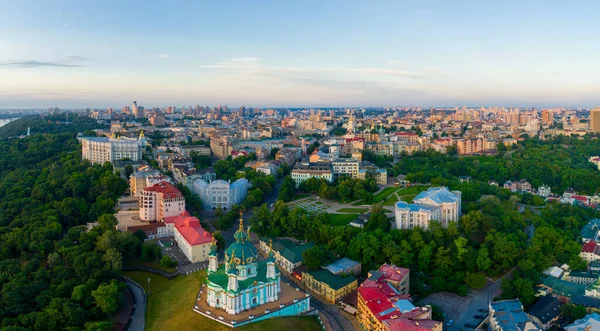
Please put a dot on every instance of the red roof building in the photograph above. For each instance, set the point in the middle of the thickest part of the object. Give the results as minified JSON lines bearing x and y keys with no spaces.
{"x":193,"y":240}
{"x":159,"y":201}
{"x":384,"y":303}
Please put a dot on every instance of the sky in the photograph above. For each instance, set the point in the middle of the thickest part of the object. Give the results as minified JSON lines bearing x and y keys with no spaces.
{"x":325,"y":53}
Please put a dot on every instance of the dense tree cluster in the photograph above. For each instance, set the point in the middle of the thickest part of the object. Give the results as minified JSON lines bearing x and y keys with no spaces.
{"x":560,"y":163}
{"x":48,"y":124}
{"x":344,"y":188}
{"x":55,"y":274}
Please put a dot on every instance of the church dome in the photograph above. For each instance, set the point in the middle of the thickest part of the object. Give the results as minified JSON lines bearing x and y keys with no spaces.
{"x":242,"y":249}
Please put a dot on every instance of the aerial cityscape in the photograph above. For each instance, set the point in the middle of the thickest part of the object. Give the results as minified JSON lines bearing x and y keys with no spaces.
{"x":336,"y":165}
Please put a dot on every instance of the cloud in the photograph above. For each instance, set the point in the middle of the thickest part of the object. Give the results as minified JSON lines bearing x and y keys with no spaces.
{"x":164,"y":56}
{"x":246,"y":60}
{"x":77,"y":58}
{"x":36,"y":64}
{"x":397,"y":63}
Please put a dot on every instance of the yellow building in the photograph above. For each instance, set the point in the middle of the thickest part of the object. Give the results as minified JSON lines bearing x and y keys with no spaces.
{"x":328,"y":285}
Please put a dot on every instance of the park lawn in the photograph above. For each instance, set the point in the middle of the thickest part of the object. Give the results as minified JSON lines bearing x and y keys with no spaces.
{"x":341,"y":219}
{"x":408,"y":198}
{"x":153,"y":264}
{"x":300,"y":196}
{"x":170,"y":305}
{"x":412,"y":190}
{"x":390,"y":201}
{"x":352,"y":210}
{"x":379,"y":197}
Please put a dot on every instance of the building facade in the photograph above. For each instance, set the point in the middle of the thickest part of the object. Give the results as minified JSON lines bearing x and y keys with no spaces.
{"x":437,"y":203}
{"x":103,"y":149}
{"x":328,"y":285}
{"x":159,"y":201}
{"x":304,"y":171}
{"x":219,"y":193}
{"x":192,"y":239}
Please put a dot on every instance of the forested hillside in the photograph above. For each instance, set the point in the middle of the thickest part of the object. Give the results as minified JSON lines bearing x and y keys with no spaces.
{"x":48,"y":124}
{"x":55,"y":275}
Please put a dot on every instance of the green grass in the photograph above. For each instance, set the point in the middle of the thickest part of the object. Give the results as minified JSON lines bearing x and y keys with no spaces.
{"x":341,"y":219}
{"x":390,"y":201}
{"x":384,"y":194}
{"x":408,"y":198}
{"x":352,"y":210}
{"x":170,"y":305}
{"x":300,"y":196}
{"x":412,"y":190}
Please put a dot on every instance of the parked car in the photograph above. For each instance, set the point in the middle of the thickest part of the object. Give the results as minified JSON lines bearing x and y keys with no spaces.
{"x":449,"y":322}
{"x":483,"y":310}
{"x":479,"y":316}
{"x":469,"y":325}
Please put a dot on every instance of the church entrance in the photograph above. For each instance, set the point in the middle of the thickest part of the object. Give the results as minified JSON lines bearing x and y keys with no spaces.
{"x":254,"y":301}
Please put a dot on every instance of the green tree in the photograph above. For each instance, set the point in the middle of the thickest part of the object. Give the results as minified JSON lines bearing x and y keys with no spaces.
{"x":107,"y":297}
{"x":315,"y":257}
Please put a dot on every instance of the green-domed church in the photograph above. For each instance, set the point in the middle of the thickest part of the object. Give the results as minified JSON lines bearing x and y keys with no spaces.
{"x":242,"y":282}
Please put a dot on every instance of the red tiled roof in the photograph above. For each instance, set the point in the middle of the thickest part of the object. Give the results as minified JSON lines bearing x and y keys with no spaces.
{"x":168,"y":190}
{"x":580,"y":198}
{"x":405,"y":134}
{"x":393,"y":273}
{"x":589,"y":247}
{"x":190,"y":229}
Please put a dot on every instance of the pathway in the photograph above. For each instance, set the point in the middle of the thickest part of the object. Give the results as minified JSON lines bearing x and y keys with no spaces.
{"x":138,"y":319}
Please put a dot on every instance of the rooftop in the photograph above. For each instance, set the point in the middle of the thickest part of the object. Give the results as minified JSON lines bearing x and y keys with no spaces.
{"x":342,"y":265}
{"x":546,"y":309}
{"x":333,"y":281}
{"x":438,"y":195}
{"x":190,"y":229}
{"x":168,"y":190}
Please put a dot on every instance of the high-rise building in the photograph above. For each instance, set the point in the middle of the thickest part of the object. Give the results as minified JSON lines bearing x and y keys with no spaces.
{"x":159,"y":201}
{"x":547,"y":117}
{"x":595,"y":120}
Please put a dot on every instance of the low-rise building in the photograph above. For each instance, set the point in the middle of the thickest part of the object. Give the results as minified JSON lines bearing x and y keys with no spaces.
{"x":189,"y":235}
{"x":544,"y":191}
{"x":304,"y":171}
{"x":545,"y":312}
{"x":589,"y":322}
{"x":384,"y":303}
{"x":590,"y":251}
{"x":327,"y":285}
{"x":437,"y":203}
{"x":508,"y":315}
{"x":287,"y":251}
{"x":344,"y":266}
{"x":220,"y":193}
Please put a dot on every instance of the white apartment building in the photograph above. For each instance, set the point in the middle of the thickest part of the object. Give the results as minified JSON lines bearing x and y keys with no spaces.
{"x":437,"y":203}
{"x":221,"y":193}
{"x":304,"y":171}
{"x":345,"y":167}
{"x":103,"y":149}
{"x":159,"y":201}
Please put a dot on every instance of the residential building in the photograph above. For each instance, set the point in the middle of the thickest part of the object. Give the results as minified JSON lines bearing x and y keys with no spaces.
{"x":590,"y":251}
{"x":512,"y":186}
{"x":523,"y":186}
{"x":103,"y":149}
{"x":221,"y":146}
{"x":595,"y":120}
{"x":288,"y":155}
{"x":327,"y":285}
{"x":139,"y":181}
{"x":584,"y":277}
{"x":437,"y":203}
{"x":508,"y":315}
{"x":158,"y":120}
{"x":591,"y":230}
{"x":544,"y":191}
{"x":590,"y":322}
{"x":348,"y":167}
{"x":287,"y":251}
{"x":200,"y":149}
{"x":219,"y":193}
{"x":304,"y":171}
{"x":384,"y":303}
{"x":563,"y":290}
{"x":344,"y":266}
{"x":545,"y":312}
{"x":189,"y":235}
{"x":159,"y":201}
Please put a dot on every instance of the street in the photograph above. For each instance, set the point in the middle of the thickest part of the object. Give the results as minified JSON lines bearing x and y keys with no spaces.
{"x":139,"y":315}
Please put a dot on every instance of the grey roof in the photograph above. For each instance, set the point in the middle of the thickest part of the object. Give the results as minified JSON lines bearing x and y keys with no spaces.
{"x":546,"y":309}
{"x":438,"y":195}
{"x":411,"y":207}
{"x":509,"y":314}
{"x":341,"y":265}
{"x":586,"y":301}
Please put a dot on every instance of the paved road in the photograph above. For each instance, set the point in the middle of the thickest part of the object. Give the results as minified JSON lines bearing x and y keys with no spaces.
{"x":332,"y":312}
{"x":481,"y":300}
{"x":139,"y":316}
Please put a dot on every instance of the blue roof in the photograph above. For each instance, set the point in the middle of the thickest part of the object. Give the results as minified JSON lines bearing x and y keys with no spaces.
{"x":438,"y":195}
{"x":387,"y":311}
{"x":410,"y":206}
{"x":341,"y":265}
{"x":404,"y":305}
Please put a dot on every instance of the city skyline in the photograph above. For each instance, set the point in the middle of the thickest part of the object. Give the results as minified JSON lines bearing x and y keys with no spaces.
{"x":308,"y":54}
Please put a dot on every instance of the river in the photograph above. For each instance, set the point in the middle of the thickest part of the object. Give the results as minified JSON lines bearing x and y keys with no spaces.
{"x":6,"y":121}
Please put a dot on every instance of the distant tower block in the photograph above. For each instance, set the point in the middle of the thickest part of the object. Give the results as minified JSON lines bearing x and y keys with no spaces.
{"x":28,"y":130}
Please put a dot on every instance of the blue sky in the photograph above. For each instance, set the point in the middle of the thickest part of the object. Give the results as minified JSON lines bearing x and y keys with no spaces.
{"x":299,"y":53}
